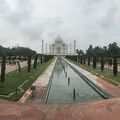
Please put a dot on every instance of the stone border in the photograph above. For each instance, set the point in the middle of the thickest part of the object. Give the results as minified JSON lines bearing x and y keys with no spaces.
{"x":41,"y":81}
{"x":92,"y":76}
{"x":113,"y":90}
{"x":84,"y":72}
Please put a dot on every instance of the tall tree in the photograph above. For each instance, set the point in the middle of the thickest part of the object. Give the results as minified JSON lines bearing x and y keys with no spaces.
{"x":113,"y":50}
{"x":81,"y":59}
{"x":110,"y":62}
{"x":41,"y":59}
{"x":88,"y":60}
{"x":80,"y":52}
{"x":89,"y":51}
{"x":105,"y":51}
{"x":35,"y":61}
{"x":84,"y":60}
{"x":98,"y":52}
{"x":102,"y":63}
{"x":115,"y":66}
{"x":29,"y":63}
{"x":3,"y":69}
{"x":19,"y":68}
{"x":94,"y":62}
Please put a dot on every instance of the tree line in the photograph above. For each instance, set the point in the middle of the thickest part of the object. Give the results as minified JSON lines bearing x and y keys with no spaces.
{"x":18,"y":54}
{"x":110,"y":51}
{"x":107,"y":54}
{"x":38,"y":59}
{"x":16,"y":51}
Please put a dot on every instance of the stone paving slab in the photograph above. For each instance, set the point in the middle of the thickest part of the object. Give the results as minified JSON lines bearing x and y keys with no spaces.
{"x":14,"y":111}
{"x":10,"y":68}
{"x":101,"y":110}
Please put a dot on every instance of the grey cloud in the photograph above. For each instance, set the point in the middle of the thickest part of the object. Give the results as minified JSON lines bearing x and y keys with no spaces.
{"x":31,"y":31}
{"x":22,"y":12}
{"x":109,"y":19}
{"x":87,"y":21}
{"x":93,"y":1}
{"x":34,"y":30}
{"x":4,"y":7}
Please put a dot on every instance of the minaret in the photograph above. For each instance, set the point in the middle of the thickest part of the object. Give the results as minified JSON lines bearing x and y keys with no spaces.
{"x":74,"y":46}
{"x":42,"y":46}
{"x":46,"y":48}
{"x":70,"y":48}
{"x":50,"y":49}
{"x":66,"y":50}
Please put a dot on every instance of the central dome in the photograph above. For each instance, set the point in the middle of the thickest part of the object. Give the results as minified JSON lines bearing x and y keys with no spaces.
{"x":58,"y":39}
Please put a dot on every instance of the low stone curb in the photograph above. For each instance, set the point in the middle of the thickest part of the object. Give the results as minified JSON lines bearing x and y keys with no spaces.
{"x":42,"y":80}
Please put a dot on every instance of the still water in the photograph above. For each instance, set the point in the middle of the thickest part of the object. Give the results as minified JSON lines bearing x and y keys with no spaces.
{"x":68,"y":87}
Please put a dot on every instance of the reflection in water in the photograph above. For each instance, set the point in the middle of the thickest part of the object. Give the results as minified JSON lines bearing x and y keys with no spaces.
{"x":74,"y":94}
{"x":58,"y":68}
{"x":69,"y":87}
{"x":66,"y":74}
{"x":68,"y":81}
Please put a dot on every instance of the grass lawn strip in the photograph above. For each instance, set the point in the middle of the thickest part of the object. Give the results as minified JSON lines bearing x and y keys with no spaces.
{"x":106,"y":74}
{"x":12,"y":81}
{"x":20,"y":89}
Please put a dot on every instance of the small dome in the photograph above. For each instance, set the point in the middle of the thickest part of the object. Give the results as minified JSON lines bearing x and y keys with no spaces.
{"x":58,"y":39}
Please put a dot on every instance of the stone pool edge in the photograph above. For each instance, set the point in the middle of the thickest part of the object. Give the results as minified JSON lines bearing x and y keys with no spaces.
{"x":41,"y":81}
{"x":113,"y":90}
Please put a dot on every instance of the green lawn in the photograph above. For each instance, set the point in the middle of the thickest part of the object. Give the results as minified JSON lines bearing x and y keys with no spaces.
{"x":12,"y":80}
{"x":106,"y":74}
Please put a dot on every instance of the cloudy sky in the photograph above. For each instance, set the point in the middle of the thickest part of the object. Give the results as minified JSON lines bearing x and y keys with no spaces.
{"x":27,"y":22}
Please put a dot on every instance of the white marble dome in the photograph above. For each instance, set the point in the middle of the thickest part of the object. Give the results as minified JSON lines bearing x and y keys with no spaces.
{"x":58,"y":39}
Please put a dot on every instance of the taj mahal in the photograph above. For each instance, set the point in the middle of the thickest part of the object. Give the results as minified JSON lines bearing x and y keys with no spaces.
{"x":59,"y":47}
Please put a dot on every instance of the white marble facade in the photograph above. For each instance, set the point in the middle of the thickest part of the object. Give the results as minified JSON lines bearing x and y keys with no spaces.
{"x":59,"y":47}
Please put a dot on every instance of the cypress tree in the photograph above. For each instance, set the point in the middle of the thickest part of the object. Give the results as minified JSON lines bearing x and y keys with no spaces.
{"x":44,"y":58}
{"x":81,"y":59}
{"x":88,"y":60}
{"x":29,"y":63}
{"x":110,"y":62}
{"x":102,"y":63}
{"x":35,"y":61}
{"x":41,"y":59}
{"x":75,"y":58}
{"x":94,"y":62}
{"x":3,"y":69}
{"x":115,"y":66}
{"x":84,"y":60}
{"x":19,"y":68}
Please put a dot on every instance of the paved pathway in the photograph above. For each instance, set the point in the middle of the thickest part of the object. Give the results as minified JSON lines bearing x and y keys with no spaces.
{"x":108,"y":109}
{"x":100,"y":110}
{"x":108,"y":67}
{"x":10,"y":68}
{"x":16,"y":111}
{"x":41,"y":86}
